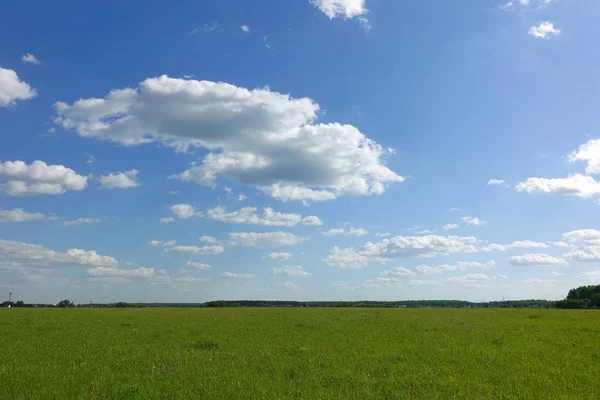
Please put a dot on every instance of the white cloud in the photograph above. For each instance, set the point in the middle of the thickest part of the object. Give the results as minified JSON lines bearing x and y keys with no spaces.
{"x":111,"y":271}
{"x":167,"y":220}
{"x":473,"y":221}
{"x":340,"y":284}
{"x":90,"y":159}
{"x":543,"y":30}
{"x":260,"y":138}
{"x":267,"y":239}
{"x":520,"y":244}
{"x":346,"y":258}
{"x":197,"y":265}
{"x":543,"y":282}
{"x":120,"y":180}
{"x":349,"y":231}
{"x":30,"y":59}
{"x":245,"y":28}
{"x":19,"y":215}
{"x":291,"y":271}
{"x":208,"y":239}
{"x":589,"y":152}
{"x":269,"y":217}
{"x":242,"y":197}
{"x":157,"y":243}
{"x":496,"y":182}
{"x":341,"y":8}
{"x":418,"y":282}
{"x":468,"y":279}
{"x":38,"y":178}
{"x":185,"y":211}
{"x":586,"y":243}
{"x":278,"y":256}
{"x":189,"y":279}
{"x":457,"y":266}
{"x":500,"y":276}
{"x":560,"y":244}
{"x":535,"y":259}
{"x":35,"y":254}
{"x":592,"y":276}
{"x":448,"y":227}
{"x":118,"y":280}
{"x":555,"y":273}
{"x":196,"y":249}
{"x":82,"y":221}
{"x":235,"y":276}
{"x":398,"y":271}
{"x":13,"y":89}
{"x":574,"y":185}
{"x":384,"y":234}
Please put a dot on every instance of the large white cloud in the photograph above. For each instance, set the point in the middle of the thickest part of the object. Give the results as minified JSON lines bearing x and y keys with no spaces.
{"x":38,"y":178}
{"x":12,"y":88}
{"x":266,"y":239}
{"x":457,"y":266}
{"x":258,"y":137}
{"x":34,"y":254}
{"x":269,"y":217}
{"x":346,"y":258}
{"x":341,"y":8}
{"x":535,"y":259}
{"x":520,"y":244}
{"x":20,"y":215}
{"x":544,"y":30}
{"x":279,"y":256}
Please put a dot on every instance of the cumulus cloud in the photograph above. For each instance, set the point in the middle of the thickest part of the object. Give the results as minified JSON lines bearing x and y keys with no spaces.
{"x":496,"y":182}
{"x":120,"y":180}
{"x":341,"y":8}
{"x":185,"y":211}
{"x":291,"y":271}
{"x":457,"y":266}
{"x":346,"y":258}
{"x":535,"y":259}
{"x":590,"y":153}
{"x":585,"y":243}
{"x":279,"y":256}
{"x":258,"y":137}
{"x":245,"y":28}
{"x":574,"y":185}
{"x":13,"y":89}
{"x":208,"y":239}
{"x":81,"y":221}
{"x":520,"y":244}
{"x":38,"y":178}
{"x":348,"y":231}
{"x":111,"y":271}
{"x":160,"y":243}
{"x":398,"y":271}
{"x":20,"y":215}
{"x":266,"y":239}
{"x":232,"y":275}
{"x":269,"y":217}
{"x":448,"y":227}
{"x":544,"y":30}
{"x":473,"y":221}
{"x":34,"y":254}
{"x":30,"y":59}
{"x":197,"y":265}
{"x":196,"y":249}
{"x":419,"y":282}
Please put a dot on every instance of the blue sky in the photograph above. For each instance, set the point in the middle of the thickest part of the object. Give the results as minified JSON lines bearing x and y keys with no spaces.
{"x":306,"y":150}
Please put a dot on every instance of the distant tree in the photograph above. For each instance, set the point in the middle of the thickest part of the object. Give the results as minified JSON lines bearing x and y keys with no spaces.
{"x":121,"y":304}
{"x":20,"y":303}
{"x":65,"y":303}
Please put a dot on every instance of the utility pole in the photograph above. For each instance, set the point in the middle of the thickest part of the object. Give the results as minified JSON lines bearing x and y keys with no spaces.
{"x":9,"y":296}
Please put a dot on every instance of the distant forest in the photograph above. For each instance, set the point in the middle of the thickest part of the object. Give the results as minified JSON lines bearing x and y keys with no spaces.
{"x":584,"y":297}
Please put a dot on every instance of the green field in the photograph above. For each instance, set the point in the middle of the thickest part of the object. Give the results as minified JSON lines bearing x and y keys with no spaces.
{"x":299,"y":353}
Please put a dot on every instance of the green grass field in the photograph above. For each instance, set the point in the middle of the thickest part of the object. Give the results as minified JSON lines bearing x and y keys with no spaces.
{"x":299,"y":353}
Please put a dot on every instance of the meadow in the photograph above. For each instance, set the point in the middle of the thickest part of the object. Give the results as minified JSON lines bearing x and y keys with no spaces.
{"x":299,"y":353}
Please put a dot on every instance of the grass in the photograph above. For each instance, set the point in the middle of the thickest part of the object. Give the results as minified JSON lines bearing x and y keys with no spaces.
{"x":296,"y":353}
